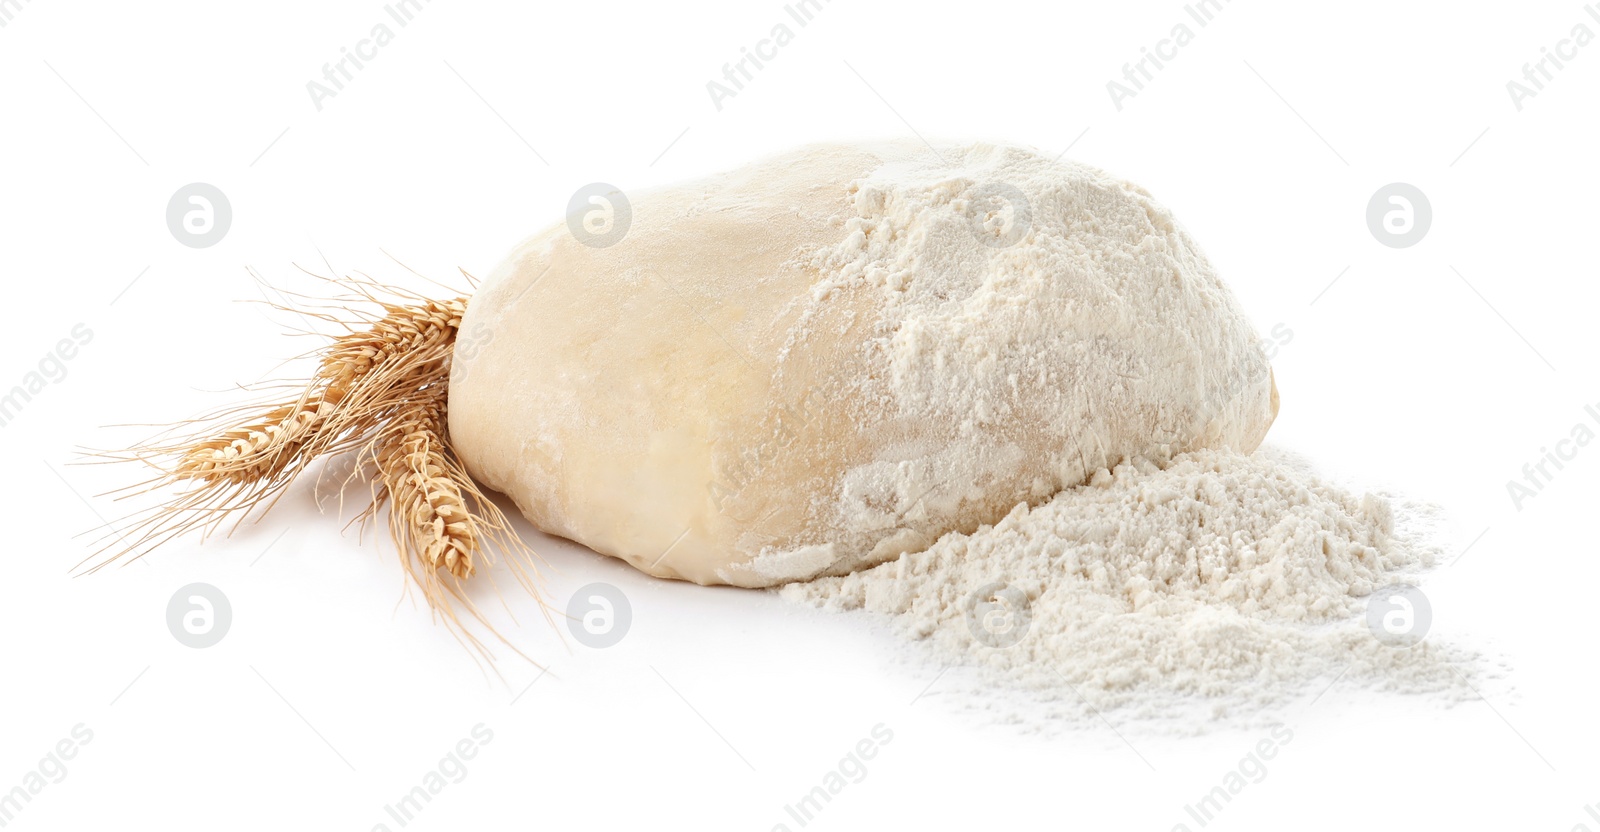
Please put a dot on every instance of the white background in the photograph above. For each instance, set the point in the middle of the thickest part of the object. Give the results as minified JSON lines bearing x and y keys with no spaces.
{"x":325,"y":701}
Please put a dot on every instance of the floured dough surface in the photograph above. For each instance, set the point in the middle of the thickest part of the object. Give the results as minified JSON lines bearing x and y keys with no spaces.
{"x":818,"y":362}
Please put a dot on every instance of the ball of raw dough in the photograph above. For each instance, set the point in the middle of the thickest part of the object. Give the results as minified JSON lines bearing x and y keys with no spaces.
{"x":812,"y":364}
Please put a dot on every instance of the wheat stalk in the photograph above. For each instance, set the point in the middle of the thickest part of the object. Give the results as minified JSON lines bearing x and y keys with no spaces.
{"x":379,"y":391}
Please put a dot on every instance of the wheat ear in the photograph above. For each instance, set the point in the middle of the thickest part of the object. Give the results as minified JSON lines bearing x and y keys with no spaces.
{"x":379,"y":392}
{"x":234,"y":461}
{"x":428,"y":515}
{"x":357,"y":373}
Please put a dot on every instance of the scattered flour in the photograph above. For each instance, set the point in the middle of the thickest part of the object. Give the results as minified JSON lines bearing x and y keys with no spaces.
{"x":1223,"y":581}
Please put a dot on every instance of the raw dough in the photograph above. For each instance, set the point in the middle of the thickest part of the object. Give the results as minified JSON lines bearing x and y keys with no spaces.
{"x":815,"y":363}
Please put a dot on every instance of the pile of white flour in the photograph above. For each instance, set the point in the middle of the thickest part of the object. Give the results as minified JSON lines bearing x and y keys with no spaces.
{"x":1233,"y":581}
